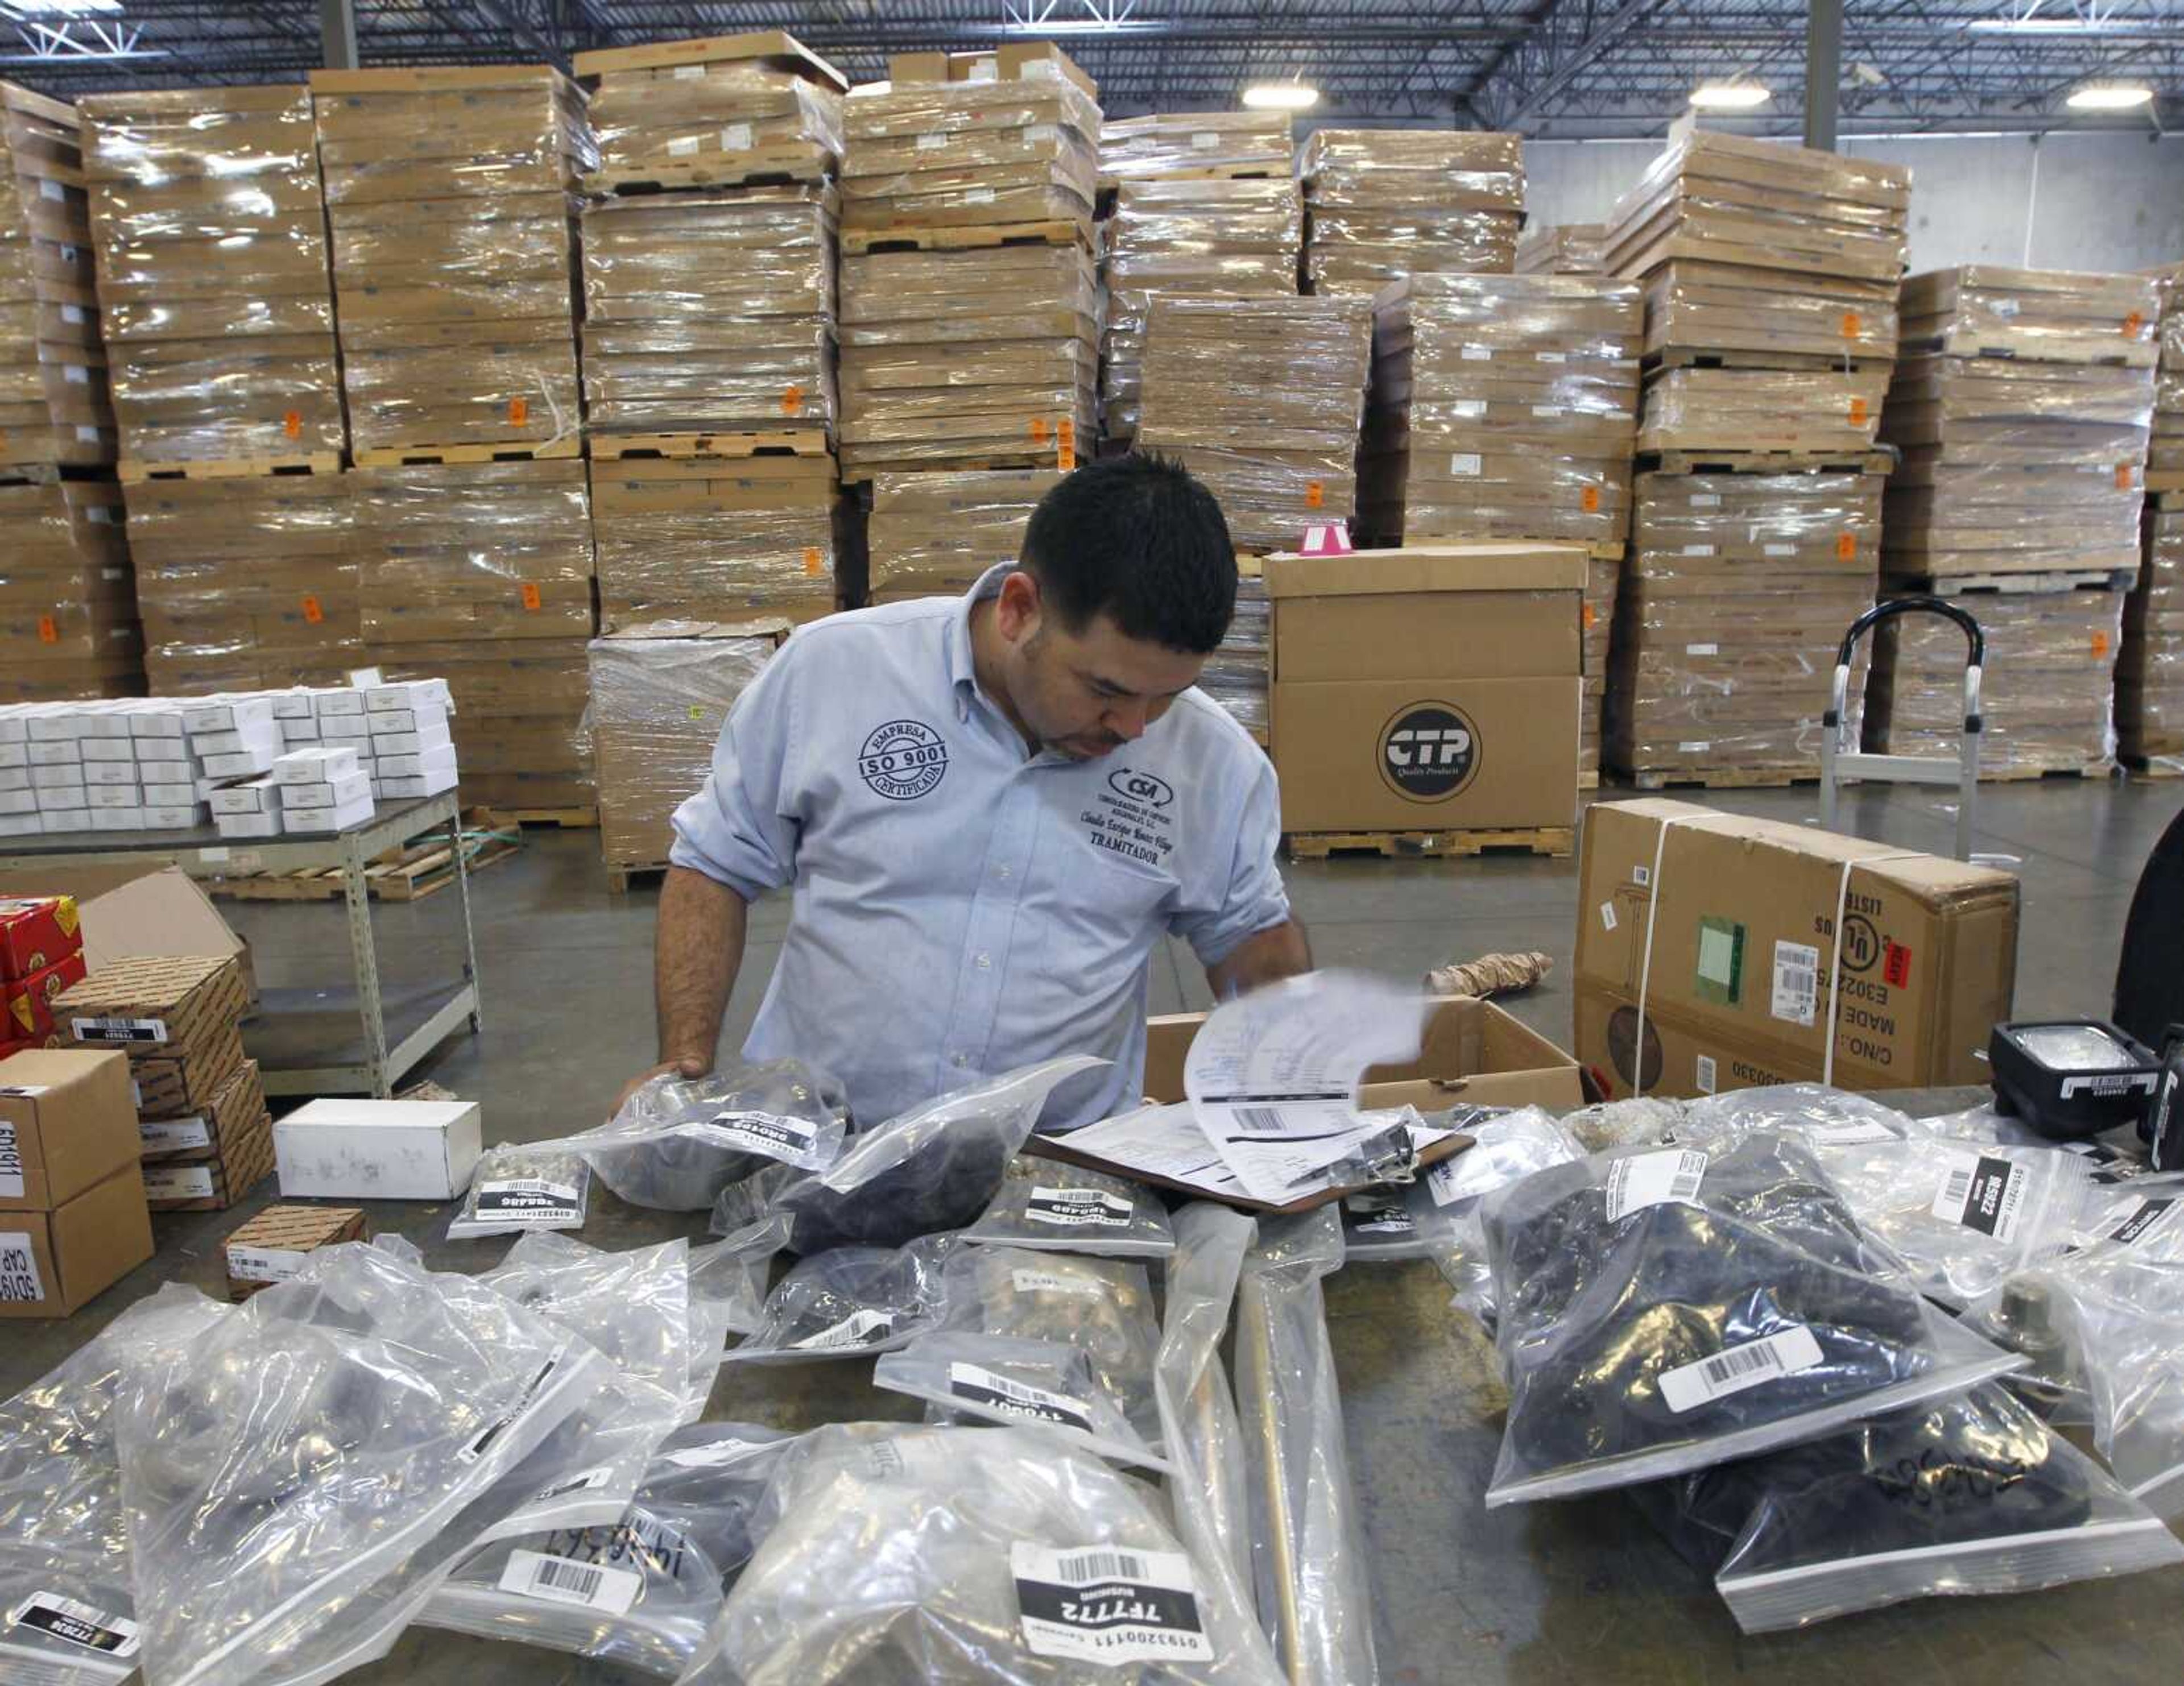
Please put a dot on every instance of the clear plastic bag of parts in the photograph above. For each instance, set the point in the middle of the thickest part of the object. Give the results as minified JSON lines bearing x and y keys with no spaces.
{"x":1963,"y":1217}
{"x":67,"y":1612}
{"x":516,"y":1188}
{"x":1640,"y":1122}
{"x":679,"y":1141}
{"x":728,"y":1297}
{"x":1103,"y":1307}
{"x":1308,"y":1549}
{"x":1984,"y":1127}
{"x":642,"y":1590}
{"x":933,"y":1168}
{"x":240,"y":1459}
{"x":1661,"y":1310}
{"x":967,"y":1378}
{"x":1049,"y":1207}
{"x":924,"y":1556}
{"x":1506,"y":1148}
{"x":1967,"y":1494}
{"x":851,"y":1302}
{"x":1204,"y":1440}
{"x":1378,"y":1226}
{"x":633,"y":1306}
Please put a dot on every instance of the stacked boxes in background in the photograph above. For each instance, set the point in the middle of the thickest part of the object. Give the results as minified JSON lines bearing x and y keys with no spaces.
{"x":1563,"y":249}
{"x":1504,"y":406}
{"x":1202,"y":144}
{"x":969,"y":306}
{"x":935,"y":533}
{"x":518,"y":708}
{"x":1770,"y":277}
{"x":2024,"y":404}
{"x":202,"y":1124}
{"x":709,"y":334}
{"x":2150,"y":669}
{"x":1383,"y":203}
{"x":657,"y":708}
{"x":455,"y":256}
{"x":41,"y":955}
{"x":72,"y":1214}
{"x":69,"y":623}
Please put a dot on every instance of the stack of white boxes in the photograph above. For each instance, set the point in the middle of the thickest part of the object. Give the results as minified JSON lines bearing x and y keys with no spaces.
{"x":121,"y":765}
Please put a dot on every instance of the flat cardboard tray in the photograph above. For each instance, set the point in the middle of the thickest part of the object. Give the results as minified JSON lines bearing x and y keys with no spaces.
{"x":799,"y":441}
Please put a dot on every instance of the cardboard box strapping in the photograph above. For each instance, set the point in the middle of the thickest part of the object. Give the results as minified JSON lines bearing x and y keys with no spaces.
{"x":1262,"y":399}
{"x":1389,"y":202}
{"x":658,"y":706}
{"x":1502,"y":407}
{"x":714,"y":539}
{"x":677,"y":103}
{"x":1147,"y":148}
{"x":958,"y":154}
{"x":209,"y":220}
{"x":1780,"y":953}
{"x":938,"y":532}
{"x":1564,"y":248}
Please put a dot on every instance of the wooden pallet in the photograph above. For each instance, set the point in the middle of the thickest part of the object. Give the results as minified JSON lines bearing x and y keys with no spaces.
{"x":858,"y":468}
{"x":1550,"y":840}
{"x":1686,"y":357}
{"x":2029,"y":775}
{"x":778,"y":166}
{"x":504,"y":451}
{"x":1725,"y":778}
{"x":1204,"y":172}
{"x":132,"y":472}
{"x":2096,"y":349}
{"x":857,"y":243}
{"x":29,"y":473}
{"x":403,"y":875}
{"x":1766,"y":462}
{"x":2053,"y":579}
{"x":801,"y":441}
{"x":622,"y":875}
{"x":504,"y":819}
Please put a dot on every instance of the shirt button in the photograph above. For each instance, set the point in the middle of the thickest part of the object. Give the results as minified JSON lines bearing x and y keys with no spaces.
{"x":959,"y":1059}
{"x":1001,"y":872}
{"x":983,"y":962}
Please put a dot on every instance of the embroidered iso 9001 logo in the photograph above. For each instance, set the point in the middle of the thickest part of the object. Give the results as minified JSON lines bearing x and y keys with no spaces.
{"x":903,"y":759}
{"x":1428,"y":751}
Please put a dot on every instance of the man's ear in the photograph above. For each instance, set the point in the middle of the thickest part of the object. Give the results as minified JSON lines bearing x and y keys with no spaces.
{"x":1016,"y":611}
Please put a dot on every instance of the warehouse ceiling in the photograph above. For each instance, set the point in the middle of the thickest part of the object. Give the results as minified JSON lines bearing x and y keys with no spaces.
{"x":1572,"y":67}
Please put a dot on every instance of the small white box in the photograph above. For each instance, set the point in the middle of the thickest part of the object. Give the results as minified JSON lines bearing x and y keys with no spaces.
{"x":303,"y":730}
{"x":55,"y":726}
{"x":183,"y":795}
{"x":265,"y":736}
{"x":234,"y":714}
{"x":338,"y":703}
{"x":165,"y":771}
{"x":421,"y":765}
{"x":259,"y":796}
{"x":179,"y":816}
{"x":388,"y":721}
{"x":408,"y":788}
{"x":16,"y":754}
{"x":103,"y":723}
{"x":413,"y":743}
{"x":130,"y":819}
{"x":113,"y":796}
{"x":108,"y":775}
{"x":240,"y":766}
{"x":164,"y":724}
{"x":18,"y":802}
{"x":407,"y":693}
{"x":110,"y":750}
{"x":69,"y":777}
{"x":345,"y":791}
{"x":248,"y":825}
{"x":355,"y":812}
{"x":14,"y":778}
{"x":293,"y":705}
{"x":319,"y":766}
{"x":46,"y":752}
{"x":63,"y":820}
{"x":377,"y":1150}
{"x":20,"y":824}
{"x":15,"y":727}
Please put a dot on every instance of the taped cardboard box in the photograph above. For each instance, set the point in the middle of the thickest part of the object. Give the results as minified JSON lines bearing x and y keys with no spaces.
{"x":1740,"y":987}
{"x":183,"y":1008}
{"x":212,"y":1185}
{"x":236,"y":1111}
{"x":60,"y":1116}
{"x":272,"y":1247}
{"x":53,"y":1263}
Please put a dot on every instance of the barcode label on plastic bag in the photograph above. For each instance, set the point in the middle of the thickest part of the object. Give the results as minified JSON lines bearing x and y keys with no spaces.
{"x":529,"y":1200}
{"x":1107,"y":1605}
{"x":1983,"y":1193}
{"x":78,"y":1624}
{"x":119,"y":1030}
{"x":975,"y":1385}
{"x":859,"y":1328}
{"x":1797,"y":982}
{"x":263,"y":1264}
{"x":1689,"y":1386}
{"x":1078,"y":1205}
{"x":19,"y":1271}
{"x":1050,"y":1282}
{"x":562,"y":1580}
{"x":2150,"y":1214}
{"x":1651,"y":1179}
{"x":482,"y":1441}
{"x":765,"y":1134}
{"x":11,"y":1163}
{"x":1376,"y":1215}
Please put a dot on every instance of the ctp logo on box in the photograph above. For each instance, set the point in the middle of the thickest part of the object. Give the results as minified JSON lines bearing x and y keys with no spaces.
{"x":1428,"y":751}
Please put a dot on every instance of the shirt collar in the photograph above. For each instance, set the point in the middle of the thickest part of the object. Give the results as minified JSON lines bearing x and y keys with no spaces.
{"x":962,"y":672}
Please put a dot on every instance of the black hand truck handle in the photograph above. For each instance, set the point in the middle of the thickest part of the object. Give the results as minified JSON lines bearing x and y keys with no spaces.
{"x":1974,"y":639}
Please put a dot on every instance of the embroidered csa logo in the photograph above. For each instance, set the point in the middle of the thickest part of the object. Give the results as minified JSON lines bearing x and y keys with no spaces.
{"x":903,"y":759}
{"x":1428,"y":751}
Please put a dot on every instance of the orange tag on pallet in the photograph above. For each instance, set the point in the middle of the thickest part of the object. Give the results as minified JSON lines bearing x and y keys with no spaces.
{"x":293,"y":424}
{"x":1590,"y":498}
{"x":48,"y":633}
{"x":1065,"y":443}
{"x":2132,"y":324}
{"x":1857,"y":412}
{"x":1845,"y":546}
{"x":2123,"y":476}
{"x":815,"y":559}
{"x":531,"y":599}
{"x":1315,"y":494}
{"x":312,"y":612}
{"x":2100,"y":646}
{"x":1587,"y":615}
{"x":1039,"y":430}
{"x":791,"y":401}
{"x":519,"y":412}
{"x":1851,"y":325}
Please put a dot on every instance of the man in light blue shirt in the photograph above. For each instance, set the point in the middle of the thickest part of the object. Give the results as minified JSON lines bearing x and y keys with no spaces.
{"x":989,"y":809}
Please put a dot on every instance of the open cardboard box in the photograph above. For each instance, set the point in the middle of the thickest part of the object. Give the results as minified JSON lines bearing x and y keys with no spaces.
{"x":148,"y":908}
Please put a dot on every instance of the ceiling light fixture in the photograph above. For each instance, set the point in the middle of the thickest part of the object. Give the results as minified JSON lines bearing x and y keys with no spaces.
{"x":2109,"y":98}
{"x":1730,"y":96}
{"x":1280,"y":97}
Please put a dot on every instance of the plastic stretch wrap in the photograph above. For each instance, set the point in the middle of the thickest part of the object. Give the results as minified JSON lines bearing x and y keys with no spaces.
{"x":527,"y":132}
{"x":64,"y":1535}
{"x":908,"y":110}
{"x":452,"y":259}
{"x":928,"y":298}
{"x":2050,"y":315}
{"x":642,"y":121}
{"x":1565,"y":248}
{"x":1444,"y":1203}
{"x":187,"y":400}
{"x":1307,"y":1542}
{"x":2150,"y":666}
{"x":240,"y":1457}
{"x":1387,"y":203}
{"x":931,"y":1169}
{"x":1139,"y":148}
{"x":999,"y":1556}
{"x":851,"y":1302}
{"x":728,"y":1297}
{"x":634,"y":1306}
{"x":939,"y":532}
{"x":1712,"y":308}
{"x":516,"y":1188}
{"x":1261,"y":399}
{"x":1762,"y":410}
{"x":678,"y":1142}
{"x":1235,"y":674}
{"x":1049,"y":1207}
{"x":1666,"y":1308}
{"x":675,"y":567}
{"x":970,"y":1378}
{"x":923,"y":153}
{"x":2047,"y":700}
{"x":1969,"y":1495}
{"x":641,"y":1591}
{"x":487,"y":383}
{"x":1199,"y":1425}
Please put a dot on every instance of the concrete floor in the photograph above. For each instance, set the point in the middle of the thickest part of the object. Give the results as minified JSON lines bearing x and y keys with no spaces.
{"x":1579,"y":1591}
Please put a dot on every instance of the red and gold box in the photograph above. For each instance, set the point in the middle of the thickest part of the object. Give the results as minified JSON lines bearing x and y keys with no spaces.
{"x":36,"y":931}
{"x":26,"y":1004}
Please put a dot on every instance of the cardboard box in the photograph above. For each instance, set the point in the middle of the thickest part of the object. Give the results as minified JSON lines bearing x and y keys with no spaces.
{"x":271,"y":1246}
{"x":211,"y":1185}
{"x":1472,"y":1052}
{"x":183,"y":1008}
{"x":377,"y":1150}
{"x":1739,"y":989}
{"x":66,"y":1124}
{"x":37,"y":931}
{"x":237,"y":1108}
{"x":26,"y":1004}
{"x":52,"y":1263}
{"x":1429,"y":689}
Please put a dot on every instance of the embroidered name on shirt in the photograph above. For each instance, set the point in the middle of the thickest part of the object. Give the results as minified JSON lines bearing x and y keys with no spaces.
{"x":903,"y":759}
{"x":1131,"y":816}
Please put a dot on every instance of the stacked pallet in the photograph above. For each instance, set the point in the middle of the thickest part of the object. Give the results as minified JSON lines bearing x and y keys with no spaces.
{"x":1563,"y":249}
{"x":68,"y":607}
{"x":709,"y":238}
{"x":969,"y":308}
{"x":933,"y":534}
{"x":1770,"y":276}
{"x":2150,"y":667}
{"x":1205,"y":145}
{"x":2024,"y":404}
{"x":1504,"y":406}
{"x":1383,"y":203}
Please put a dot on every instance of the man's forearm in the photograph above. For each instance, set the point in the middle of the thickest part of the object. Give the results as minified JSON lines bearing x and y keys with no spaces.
{"x":696,"y":953}
{"x":1281,"y":951}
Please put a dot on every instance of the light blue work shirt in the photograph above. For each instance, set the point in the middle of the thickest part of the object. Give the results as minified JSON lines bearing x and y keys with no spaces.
{"x":961,"y":907}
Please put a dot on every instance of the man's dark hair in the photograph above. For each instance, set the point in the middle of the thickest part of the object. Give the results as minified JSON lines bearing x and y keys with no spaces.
{"x":1137,"y":538}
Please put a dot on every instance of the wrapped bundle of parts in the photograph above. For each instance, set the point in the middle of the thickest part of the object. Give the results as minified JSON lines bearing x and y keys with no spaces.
{"x":1732,"y":604}
{"x":1262,"y":400}
{"x":1196,"y":143}
{"x":1191,"y":237}
{"x":926,"y":155}
{"x":713,"y":112}
{"x":658,"y":703}
{"x":715,"y":538}
{"x":69,"y":624}
{"x":454,"y":252}
{"x":1564,"y":248}
{"x":938,"y":532}
{"x":1389,"y":202}
{"x":209,"y":222}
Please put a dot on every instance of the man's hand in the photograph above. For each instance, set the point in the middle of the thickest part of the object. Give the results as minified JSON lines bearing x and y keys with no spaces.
{"x":688,"y":1066}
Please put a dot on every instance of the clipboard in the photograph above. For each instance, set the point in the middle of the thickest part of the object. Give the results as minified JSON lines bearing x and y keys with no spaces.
{"x":1058,"y":1148}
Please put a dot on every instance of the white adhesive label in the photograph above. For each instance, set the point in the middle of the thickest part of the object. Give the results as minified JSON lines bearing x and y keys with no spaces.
{"x":1702,"y":649}
{"x":529,"y":1203}
{"x":859,"y":1328}
{"x":1106,"y":1605}
{"x":1694,"y":746}
{"x":1653,"y":1179}
{"x":1471,"y":409}
{"x":1641,"y":875}
{"x":76,"y":1624}
{"x":1466,"y":463}
{"x":178,"y":1183}
{"x":89,"y":436}
{"x":1703,"y":1073}
{"x":18,"y":1271}
{"x":736,"y":138}
{"x":985,"y":70}
{"x":563,"y":1580}
{"x":263,"y":1264}
{"x":765,"y":1134}
{"x":1608,"y":920}
{"x":1778,"y":549}
{"x":1041,"y":70}
{"x":73,"y":314}
{"x":1983,"y":1193}
{"x":1478,"y":353}
{"x":1552,"y":356}
{"x":174,"y":1135}
{"x":75,"y":375}
{"x":931,"y":143}
{"x":119,"y":1030}
{"x":683,"y":146}
{"x":1049,"y":1281}
{"x":1078,"y":1206}
{"x":690,"y":72}
{"x":1546,"y":409}
{"x":1850,"y":1132}
{"x":1796,"y":991}
{"x":1698,"y":550}
{"x":11,"y":1163}
{"x":1706,"y":500}
{"x":1689,"y":1386}
{"x":1205,"y":140}
{"x":978,"y":196}
{"x":51,"y":190}
{"x":980,"y":1387}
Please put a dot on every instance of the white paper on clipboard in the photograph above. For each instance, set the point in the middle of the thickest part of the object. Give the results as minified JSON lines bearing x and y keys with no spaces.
{"x":1272,"y":1076}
